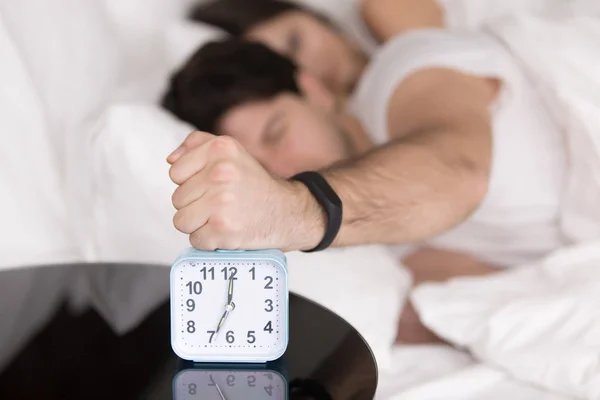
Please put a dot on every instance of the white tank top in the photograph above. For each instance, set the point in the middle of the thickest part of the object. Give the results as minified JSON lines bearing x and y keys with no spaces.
{"x":518,"y":220}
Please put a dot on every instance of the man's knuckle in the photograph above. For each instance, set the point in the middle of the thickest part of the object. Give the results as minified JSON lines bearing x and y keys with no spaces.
{"x":219,"y":224}
{"x":223,"y":224}
{"x":224,"y":198}
{"x":192,"y":135}
{"x":195,"y":136}
{"x":224,"y":171}
{"x":225,"y":145}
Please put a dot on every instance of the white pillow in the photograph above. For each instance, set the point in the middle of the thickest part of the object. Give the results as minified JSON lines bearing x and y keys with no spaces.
{"x":364,"y":285}
{"x":154,"y":36}
{"x":132,"y":209}
{"x":183,"y":38}
{"x":70,"y":53}
{"x":58,"y":70}
{"x":140,"y":15}
{"x":30,"y":198}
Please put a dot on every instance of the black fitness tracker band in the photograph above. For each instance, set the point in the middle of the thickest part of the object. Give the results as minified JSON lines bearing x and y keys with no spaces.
{"x":309,"y":387}
{"x":329,"y":200}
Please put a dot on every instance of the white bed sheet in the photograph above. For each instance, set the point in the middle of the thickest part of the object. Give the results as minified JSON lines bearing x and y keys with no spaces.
{"x":473,"y":382}
{"x":420,"y":365}
{"x":441,"y":372}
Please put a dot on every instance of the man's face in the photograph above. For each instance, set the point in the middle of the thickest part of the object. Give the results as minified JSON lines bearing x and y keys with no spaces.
{"x":287,"y":134}
{"x":314,"y":46}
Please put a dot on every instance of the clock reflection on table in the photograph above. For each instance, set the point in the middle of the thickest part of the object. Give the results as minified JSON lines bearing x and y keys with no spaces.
{"x":78,"y":356}
{"x":229,"y":383}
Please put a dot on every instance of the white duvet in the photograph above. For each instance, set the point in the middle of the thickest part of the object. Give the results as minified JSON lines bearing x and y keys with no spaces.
{"x":540,"y":323}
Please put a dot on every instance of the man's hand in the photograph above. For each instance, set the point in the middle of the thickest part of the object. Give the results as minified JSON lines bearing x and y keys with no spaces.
{"x":226,"y":199}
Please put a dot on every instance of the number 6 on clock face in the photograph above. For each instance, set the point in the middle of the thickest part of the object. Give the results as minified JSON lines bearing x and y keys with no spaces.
{"x":229,"y":306}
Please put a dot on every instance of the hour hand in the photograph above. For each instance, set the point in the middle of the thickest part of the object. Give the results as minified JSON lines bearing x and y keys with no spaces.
{"x":222,"y":321}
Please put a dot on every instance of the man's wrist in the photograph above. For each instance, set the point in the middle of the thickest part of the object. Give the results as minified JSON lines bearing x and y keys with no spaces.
{"x":306,"y":218}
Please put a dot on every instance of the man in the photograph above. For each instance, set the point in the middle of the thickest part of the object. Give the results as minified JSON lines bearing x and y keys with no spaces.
{"x":373,"y":188}
{"x":426,"y":171}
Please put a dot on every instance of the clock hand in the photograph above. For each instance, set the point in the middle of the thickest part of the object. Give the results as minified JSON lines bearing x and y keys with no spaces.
{"x":220,"y":392}
{"x":230,"y":292}
{"x":222,"y":322}
{"x":228,"y":308}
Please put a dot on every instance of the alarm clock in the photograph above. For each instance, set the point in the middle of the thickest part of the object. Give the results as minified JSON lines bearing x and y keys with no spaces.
{"x":229,"y":306}
{"x":229,"y":384}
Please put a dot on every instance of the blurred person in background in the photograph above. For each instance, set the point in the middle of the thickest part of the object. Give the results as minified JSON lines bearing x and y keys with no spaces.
{"x":317,"y":44}
{"x":309,"y":38}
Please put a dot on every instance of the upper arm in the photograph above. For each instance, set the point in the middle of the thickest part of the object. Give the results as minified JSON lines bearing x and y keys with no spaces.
{"x":387,"y":18}
{"x":445,"y":100}
{"x":439,"y":96}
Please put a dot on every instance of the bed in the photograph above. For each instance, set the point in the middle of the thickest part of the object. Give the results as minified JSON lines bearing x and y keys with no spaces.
{"x":82,"y":148}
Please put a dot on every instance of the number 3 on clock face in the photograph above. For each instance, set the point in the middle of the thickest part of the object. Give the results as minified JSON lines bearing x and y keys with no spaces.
{"x":229,"y":306}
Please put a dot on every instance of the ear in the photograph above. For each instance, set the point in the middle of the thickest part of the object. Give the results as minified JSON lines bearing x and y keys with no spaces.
{"x":315,"y":91}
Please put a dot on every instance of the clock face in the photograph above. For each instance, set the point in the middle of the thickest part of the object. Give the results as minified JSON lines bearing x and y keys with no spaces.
{"x":232,"y":311}
{"x":230,"y":385}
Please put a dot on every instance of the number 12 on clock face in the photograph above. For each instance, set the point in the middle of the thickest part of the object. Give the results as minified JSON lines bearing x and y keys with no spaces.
{"x":229,"y":306}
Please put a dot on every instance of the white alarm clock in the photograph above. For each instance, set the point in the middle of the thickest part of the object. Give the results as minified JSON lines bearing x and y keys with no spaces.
{"x":229,"y":306}
{"x":229,"y":384}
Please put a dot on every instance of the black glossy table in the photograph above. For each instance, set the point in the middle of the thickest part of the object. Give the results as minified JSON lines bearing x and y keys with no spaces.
{"x":78,"y":356}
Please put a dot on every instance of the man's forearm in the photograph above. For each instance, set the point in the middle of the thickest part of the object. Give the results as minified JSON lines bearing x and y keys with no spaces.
{"x":410,"y":190}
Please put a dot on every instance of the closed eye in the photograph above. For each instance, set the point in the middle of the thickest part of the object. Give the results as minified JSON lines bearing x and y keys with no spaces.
{"x":275,"y":130}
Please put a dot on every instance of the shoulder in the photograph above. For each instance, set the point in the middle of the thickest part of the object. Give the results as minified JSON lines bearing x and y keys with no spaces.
{"x":442,"y":47}
{"x":439,"y":97}
{"x":470,"y":52}
{"x":431,"y":66}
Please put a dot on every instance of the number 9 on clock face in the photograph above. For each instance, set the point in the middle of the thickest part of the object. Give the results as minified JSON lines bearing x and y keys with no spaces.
{"x":229,"y":306}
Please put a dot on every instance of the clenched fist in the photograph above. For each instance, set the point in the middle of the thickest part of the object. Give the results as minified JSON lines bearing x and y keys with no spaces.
{"x":227,"y":200}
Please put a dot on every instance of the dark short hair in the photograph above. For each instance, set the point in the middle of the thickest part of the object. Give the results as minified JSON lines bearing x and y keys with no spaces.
{"x":236,"y":17}
{"x":224,"y":74}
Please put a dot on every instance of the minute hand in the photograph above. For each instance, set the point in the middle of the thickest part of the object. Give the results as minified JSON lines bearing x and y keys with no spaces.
{"x":230,"y":291}
{"x":228,"y":307}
